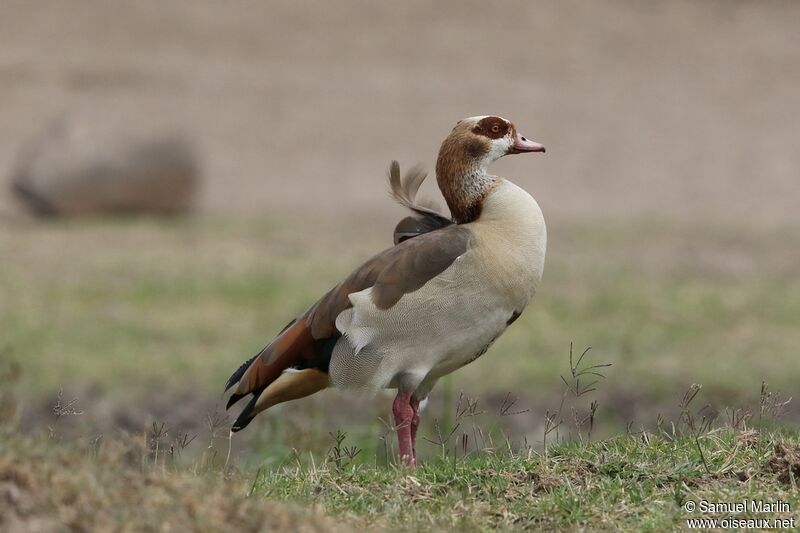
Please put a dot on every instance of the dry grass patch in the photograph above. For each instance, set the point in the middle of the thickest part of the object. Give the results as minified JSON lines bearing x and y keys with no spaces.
{"x":103,"y":486}
{"x":786,"y":463}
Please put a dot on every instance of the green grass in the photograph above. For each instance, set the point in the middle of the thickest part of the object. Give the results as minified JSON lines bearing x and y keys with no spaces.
{"x":143,"y":314}
{"x":635,"y":482}
{"x":630,"y":483}
{"x":135,"y":303}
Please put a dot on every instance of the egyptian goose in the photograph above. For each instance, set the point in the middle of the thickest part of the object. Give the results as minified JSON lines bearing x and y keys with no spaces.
{"x":425,"y":307}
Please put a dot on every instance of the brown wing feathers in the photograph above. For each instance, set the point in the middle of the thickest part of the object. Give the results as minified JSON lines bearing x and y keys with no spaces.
{"x":293,"y":348}
{"x":417,"y":261}
{"x":295,"y":364}
{"x":237,"y":376}
{"x":289,"y":349}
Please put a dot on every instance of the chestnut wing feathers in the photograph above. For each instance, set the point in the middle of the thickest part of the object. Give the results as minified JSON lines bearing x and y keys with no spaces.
{"x":308,"y":341}
{"x":391,"y":274}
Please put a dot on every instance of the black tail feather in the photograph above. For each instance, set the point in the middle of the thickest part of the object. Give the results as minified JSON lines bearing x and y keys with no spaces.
{"x":236,"y":376}
{"x":414,"y":226}
{"x":246,"y":416}
{"x":233,"y":399}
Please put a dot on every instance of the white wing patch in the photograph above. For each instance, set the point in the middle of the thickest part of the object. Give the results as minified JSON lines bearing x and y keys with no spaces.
{"x":348,"y":322}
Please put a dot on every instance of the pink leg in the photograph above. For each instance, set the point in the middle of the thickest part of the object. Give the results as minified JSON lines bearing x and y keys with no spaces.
{"x":414,"y":425}
{"x":403,"y":419}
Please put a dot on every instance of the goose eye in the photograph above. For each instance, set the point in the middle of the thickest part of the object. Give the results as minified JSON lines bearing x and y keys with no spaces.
{"x":495,"y":128}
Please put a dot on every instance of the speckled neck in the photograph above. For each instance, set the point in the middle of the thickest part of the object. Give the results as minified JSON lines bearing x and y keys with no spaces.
{"x":462,"y":177}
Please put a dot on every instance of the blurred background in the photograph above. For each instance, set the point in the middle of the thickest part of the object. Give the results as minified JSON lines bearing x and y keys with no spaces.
{"x":670,"y":188}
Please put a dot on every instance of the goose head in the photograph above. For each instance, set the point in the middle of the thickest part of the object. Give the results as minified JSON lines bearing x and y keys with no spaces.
{"x":465,"y":155}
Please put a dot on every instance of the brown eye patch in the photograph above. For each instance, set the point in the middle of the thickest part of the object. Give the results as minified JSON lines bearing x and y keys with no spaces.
{"x":492,"y":127}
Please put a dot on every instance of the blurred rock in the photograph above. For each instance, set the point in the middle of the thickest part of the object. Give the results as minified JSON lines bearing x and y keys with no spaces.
{"x":71,"y":170}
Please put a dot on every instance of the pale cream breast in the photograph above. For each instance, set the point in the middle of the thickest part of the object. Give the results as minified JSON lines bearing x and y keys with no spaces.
{"x":511,"y":241}
{"x":454,"y":317}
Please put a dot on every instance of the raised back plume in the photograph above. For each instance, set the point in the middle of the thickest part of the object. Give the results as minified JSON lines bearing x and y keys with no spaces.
{"x":404,"y":190}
